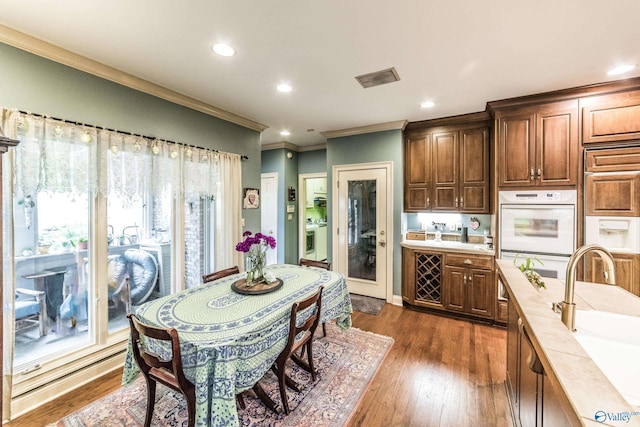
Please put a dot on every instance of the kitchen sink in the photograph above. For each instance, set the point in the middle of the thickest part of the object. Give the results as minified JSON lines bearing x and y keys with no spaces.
{"x":613,"y":342}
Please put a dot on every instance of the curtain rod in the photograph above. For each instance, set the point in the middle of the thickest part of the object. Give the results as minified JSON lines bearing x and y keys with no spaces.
{"x":72,"y":122}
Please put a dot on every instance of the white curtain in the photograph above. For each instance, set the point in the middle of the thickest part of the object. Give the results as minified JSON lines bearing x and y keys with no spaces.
{"x":228,"y":205}
{"x":52,"y":156}
{"x":61,"y":157}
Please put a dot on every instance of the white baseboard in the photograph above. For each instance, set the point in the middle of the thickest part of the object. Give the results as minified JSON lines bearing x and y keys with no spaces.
{"x":33,"y":399}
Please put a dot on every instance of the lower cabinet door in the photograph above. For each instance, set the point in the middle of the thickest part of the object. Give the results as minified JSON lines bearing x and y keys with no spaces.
{"x":456,"y":292}
{"x":529,"y":389}
{"x":552,"y":412}
{"x":480,"y":293}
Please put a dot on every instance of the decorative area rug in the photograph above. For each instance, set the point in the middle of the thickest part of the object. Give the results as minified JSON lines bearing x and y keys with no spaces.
{"x":346,"y":362}
{"x":365,"y":304}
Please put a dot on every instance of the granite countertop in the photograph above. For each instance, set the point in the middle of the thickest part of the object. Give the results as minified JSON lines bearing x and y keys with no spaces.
{"x":448,"y":246}
{"x":571,"y":371}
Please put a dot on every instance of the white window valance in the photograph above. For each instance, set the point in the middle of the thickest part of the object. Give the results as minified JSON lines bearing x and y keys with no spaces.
{"x":58,"y":156}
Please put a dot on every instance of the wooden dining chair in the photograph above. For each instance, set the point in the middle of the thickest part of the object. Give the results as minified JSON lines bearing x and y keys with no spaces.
{"x":313,"y":263}
{"x":320,"y":264}
{"x":155,"y":369}
{"x":300,"y":336}
{"x":220,"y":274}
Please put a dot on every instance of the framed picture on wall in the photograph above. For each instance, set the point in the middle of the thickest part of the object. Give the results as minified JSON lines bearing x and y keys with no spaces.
{"x":251,"y":198}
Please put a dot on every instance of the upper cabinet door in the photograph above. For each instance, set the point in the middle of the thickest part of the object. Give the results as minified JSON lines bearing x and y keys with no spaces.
{"x":474,"y":170}
{"x":445,"y":170}
{"x":417,"y":176}
{"x":557,"y":145}
{"x":516,"y":145}
{"x":610,"y":118}
{"x":613,"y":194}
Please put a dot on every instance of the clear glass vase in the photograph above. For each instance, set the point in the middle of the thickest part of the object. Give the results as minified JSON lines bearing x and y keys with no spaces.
{"x":255,"y":262}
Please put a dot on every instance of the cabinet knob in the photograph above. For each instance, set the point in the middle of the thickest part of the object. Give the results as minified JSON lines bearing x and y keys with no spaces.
{"x":461,"y":204}
{"x":456,"y":202}
{"x":532,"y":174}
{"x":539,"y":173}
{"x":428,"y":202}
{"x":468,"y":261}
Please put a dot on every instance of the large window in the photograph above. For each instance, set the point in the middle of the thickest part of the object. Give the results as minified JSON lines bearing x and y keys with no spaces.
{"x":94,"y":235}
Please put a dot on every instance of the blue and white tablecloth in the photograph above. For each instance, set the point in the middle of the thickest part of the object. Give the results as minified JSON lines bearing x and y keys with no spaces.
{"x":228,"y":340}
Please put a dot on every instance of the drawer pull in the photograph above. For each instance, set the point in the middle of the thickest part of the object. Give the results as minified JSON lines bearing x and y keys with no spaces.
{"x":468,"y":261}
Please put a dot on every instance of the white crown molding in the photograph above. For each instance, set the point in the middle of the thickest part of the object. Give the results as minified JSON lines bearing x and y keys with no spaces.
{"x":380,"y":127}
{"x":282,"y":144}
{"x":314,"y":147}
{"x":290,"y":146}
{"x":55,"y":53}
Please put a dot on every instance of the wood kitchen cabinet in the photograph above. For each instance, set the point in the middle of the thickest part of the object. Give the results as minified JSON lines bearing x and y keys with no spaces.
{"x":612,"y":159}
{"x":613,"y":194}
{"x":538,"y":146}
{"x":627,"y":270}
{"x":447,"y":165}
{"x":469,"y":286}
{"x":611,"y":117}
{"x":447,"y":281}
{"x":422,"y":278}
{"x":417,"y":172}
{"x":532,"y":397}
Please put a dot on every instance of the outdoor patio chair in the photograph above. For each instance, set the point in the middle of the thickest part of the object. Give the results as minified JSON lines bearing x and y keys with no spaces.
{"x":30,"y":310}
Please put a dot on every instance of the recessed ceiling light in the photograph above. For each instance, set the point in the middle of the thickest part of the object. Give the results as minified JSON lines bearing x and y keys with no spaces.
{"x":283,"y":87}
{"x":427,"y":104}
{"x":223,"y":49}
{"x":285,"y":133}
{"x":620,"y":69}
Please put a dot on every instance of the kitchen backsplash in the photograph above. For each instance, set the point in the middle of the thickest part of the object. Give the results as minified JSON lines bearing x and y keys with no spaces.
{"x":419,"y":221}
{"x":317,"y":214}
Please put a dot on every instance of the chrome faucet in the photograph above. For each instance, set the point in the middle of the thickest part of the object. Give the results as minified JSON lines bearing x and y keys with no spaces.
{"x":568,"y":306}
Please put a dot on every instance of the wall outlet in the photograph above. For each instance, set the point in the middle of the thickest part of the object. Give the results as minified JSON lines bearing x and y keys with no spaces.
{"x":452,"y":227}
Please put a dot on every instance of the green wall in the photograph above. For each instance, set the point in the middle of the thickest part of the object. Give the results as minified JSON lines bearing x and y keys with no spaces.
{"x":367,"y":148}
{"x":31,"y":83}
{"x":312,"y":161}
{"x":287,"y":170}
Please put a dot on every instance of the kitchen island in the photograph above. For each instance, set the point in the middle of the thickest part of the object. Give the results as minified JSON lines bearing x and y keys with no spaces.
{"x":551,"y":379}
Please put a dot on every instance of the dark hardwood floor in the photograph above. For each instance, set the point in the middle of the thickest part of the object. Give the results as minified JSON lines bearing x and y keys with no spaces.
{"x":439,"y":372}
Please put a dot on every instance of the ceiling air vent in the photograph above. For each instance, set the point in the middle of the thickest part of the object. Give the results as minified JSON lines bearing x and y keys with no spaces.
{"x":378,"y":78}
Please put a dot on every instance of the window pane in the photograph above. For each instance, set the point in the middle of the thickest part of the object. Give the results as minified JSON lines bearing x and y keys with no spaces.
{"x":50,"y":234}
{"x":361,"y":217}
{"x":199,"y":232}
{"x":138,"y":267}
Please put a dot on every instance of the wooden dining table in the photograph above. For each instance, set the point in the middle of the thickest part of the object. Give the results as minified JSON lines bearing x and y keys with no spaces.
{"x":229,"y":340}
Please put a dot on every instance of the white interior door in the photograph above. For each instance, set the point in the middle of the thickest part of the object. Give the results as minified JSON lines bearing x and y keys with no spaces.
{"x":363,"y":228}
{"x":269,"y":205}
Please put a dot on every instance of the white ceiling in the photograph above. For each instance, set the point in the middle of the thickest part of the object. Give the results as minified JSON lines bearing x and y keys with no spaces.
{"x":458,"y":53}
